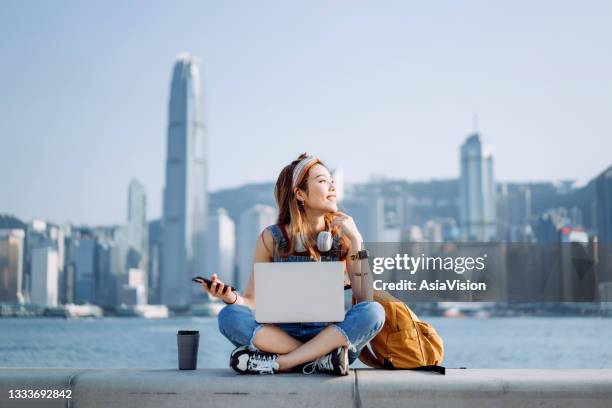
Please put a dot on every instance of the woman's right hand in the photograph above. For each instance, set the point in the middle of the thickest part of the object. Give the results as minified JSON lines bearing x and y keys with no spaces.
{"x":217,"y":290}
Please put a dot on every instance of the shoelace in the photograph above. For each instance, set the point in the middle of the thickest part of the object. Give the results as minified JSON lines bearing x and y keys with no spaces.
{"x":262,"y":363}
{"x":323,"y":363}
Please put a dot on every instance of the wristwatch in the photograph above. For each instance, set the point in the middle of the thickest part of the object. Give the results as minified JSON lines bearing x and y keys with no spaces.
{"x":362,"y":254}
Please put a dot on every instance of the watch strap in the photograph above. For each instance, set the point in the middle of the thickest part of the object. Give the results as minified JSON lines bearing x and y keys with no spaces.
{"x":361,"y":254}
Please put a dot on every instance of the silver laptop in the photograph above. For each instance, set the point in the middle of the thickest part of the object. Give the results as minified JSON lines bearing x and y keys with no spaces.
{"x":287,"y":292}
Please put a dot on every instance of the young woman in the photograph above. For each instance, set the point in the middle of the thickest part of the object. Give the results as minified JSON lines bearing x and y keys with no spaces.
{"x":306,"y":200}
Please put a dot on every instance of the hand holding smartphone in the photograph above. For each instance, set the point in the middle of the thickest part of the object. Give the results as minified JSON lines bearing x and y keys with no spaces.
{"x":201,"y":280}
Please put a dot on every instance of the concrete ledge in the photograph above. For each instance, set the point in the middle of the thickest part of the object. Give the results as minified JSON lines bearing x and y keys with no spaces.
{"x":487,"y":388}
{"x":362,"y":388}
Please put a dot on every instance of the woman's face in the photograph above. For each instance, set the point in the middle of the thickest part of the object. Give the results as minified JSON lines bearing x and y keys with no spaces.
{"x":321,"y":194}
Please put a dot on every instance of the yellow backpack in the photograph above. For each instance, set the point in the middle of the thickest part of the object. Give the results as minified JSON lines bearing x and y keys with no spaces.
{"x":405,"y":342}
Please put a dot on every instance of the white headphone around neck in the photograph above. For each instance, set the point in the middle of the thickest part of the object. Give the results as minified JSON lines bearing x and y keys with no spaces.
{"x":325,"y":241}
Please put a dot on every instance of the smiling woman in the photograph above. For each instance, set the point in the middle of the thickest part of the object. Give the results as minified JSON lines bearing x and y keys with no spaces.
{"x":303,"y":196}
{"x":309,"y":228}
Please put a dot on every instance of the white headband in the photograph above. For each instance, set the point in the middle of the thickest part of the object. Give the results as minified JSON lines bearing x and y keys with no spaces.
{"x":301,"y":166}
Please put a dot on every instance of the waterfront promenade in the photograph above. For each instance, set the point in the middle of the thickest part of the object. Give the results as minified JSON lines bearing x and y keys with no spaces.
{"x":94,"y":388}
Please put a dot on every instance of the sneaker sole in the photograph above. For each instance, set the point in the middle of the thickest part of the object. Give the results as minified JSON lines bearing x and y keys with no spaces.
{"x":234,"y":362}
{"x":345,"y":361}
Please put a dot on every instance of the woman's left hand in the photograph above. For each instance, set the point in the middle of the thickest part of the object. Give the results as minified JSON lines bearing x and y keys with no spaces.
{"x":348,"y":227}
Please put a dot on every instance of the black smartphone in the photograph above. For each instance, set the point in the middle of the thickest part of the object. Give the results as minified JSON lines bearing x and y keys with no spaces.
{"x":200,"y":280}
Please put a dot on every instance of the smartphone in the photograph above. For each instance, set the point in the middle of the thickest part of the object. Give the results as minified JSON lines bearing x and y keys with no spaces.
{"x":200,"y":280}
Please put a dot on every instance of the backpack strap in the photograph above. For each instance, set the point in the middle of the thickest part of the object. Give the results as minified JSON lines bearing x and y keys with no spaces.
{"x":368,"y":358}
{"x":432,"y":368}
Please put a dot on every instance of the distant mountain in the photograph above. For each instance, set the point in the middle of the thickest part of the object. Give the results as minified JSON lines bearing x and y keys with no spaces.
{"x":8,"y":221}
{"x":239,"y":199}
{"x":434,"y":198}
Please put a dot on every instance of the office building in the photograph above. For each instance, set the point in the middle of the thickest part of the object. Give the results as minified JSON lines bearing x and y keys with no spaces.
{"x":477,"y":192}
{"x":137,"y":218}
{"x":11,"y":265}
{"x":221,"y":246}
{"x":45,"y":276}
{"x":84,"y":270}
{"x":185,"y":193}
{"x":252,"y":223}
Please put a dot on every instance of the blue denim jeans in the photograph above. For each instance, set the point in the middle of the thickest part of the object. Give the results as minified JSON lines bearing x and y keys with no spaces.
{"x":361,"y":323}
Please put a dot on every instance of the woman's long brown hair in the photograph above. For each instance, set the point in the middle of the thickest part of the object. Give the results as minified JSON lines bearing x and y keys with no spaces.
{"x":292,"y":214}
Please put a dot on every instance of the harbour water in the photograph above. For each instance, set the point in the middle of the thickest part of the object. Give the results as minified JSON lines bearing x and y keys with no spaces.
{"x":512,"y":342}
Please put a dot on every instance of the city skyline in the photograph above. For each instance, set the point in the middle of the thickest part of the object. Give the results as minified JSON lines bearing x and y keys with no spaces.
{"x":142,"y":262}
{"x":359,"y":75}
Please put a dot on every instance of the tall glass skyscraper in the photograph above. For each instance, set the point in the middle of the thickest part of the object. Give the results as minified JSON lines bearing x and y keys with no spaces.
{"x":185,"y":192}
{"x":137,"y":226}
{"x":85,"y":270}
{"x":477,"y":192}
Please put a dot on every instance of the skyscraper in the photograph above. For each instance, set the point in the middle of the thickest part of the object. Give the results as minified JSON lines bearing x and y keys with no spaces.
{"x":251,"y":224}
{"x":44,"y":275}
{"x":221,"y":247}
{"x":154,"y":261}
{"x":137,"y":218}
{"x":106,"y":282}
{"x":11,"y":265}
{"x":36,"y":236}
{"x":185,"y":193}
{"x":85,"y":270}
{"x":477,"y":192}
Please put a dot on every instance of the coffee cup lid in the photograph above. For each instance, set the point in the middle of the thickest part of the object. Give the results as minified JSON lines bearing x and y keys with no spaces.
{"x":188,"y":332}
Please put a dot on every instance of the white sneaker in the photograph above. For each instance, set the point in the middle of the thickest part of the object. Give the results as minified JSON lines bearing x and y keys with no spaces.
{"x":244,"y":360}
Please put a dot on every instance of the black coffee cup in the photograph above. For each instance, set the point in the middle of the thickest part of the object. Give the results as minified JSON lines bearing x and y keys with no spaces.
{"x":188,"y":341}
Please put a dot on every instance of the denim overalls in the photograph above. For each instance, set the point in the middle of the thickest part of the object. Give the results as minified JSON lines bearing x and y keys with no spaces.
{"x":361,"y":322}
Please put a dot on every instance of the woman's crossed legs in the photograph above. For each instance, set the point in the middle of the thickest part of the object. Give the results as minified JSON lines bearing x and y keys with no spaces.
{"x":298,"y":343}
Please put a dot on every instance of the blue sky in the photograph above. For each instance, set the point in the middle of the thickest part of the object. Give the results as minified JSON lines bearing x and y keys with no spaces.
{"x":379,"y":88}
